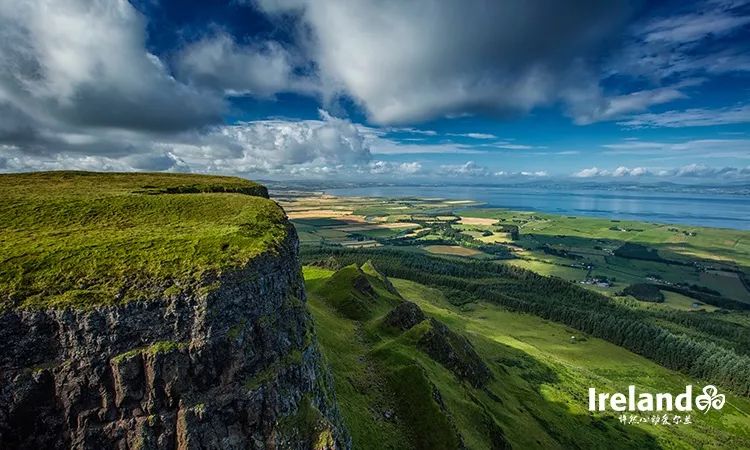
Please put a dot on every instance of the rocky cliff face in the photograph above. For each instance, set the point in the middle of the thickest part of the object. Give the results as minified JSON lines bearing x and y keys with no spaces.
{"x":234,"y":364}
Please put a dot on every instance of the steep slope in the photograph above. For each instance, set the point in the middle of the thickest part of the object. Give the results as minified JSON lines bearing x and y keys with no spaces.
{"x":409,"y":378}
{"x":392,"y":365}
{"x":155,"y":311}
{"x":359,"y":293}
{"x":537,"y":394}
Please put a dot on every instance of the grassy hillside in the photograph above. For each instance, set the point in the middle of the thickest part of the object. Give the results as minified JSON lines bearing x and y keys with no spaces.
{"x":83,"y":239}
{"x":387,"y":383}
{"x":358,"y":292}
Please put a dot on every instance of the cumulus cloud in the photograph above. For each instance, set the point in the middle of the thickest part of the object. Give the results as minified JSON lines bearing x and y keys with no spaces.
{"x":538,"y":173}
{"x":80,"y":89}
{"x":411,"y":61}
{"x":262,"y":146}
{"x":390,"y":168}
{"x":70,"y":63}
{"x":687,"y":171}
{"x":591,"y":172}
{"x":257,"y":68}
{"x":273,"y":144}
{"x":702,"y":171}
{"x":471,"y":169}
{"x":621,"y":171}
{"x":468,"y":169}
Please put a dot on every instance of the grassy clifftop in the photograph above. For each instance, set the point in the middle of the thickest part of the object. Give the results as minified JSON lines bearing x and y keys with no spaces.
{"x":85,"y":239}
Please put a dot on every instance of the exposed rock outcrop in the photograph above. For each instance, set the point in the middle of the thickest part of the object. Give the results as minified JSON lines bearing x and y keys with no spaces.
{"x":455,"y":352}
{"x":445,"y":346}
{"x":232,"y":365}
{"x":404,"y":316}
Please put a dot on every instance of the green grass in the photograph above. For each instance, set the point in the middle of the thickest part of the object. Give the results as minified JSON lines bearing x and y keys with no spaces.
{"x":360,"y":388}
{"x":683,"y":303}
{"x":357,"y":293}
{"x":713,"y":244}
{"x":386,"y":399}
{"x":534,"y":397}
{"x":85,"y":239}
{"x":574,"y":368}
{"x":537,"y":396}
{"x":320,"y":222}
{"x":153,"y":349}
{"x":593,"y":239}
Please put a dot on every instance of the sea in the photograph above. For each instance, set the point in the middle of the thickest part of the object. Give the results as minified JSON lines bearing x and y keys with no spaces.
{"x":712,"y":209}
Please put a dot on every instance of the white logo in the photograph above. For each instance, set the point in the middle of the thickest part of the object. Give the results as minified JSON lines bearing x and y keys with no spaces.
{"x":645,"y":402}
{"x":710,"y":399}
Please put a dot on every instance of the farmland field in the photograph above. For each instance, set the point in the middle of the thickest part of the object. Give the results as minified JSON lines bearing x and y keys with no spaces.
{"x":553,"y":305}
{"x":599,"y":254}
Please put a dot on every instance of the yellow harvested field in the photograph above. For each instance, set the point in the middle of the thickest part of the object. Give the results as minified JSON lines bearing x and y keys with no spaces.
{"x":352,"y":218}
{"x":415,"y":232}
{"x":360,"y":244}
{"x":477,"y":221}
{"x":318,"y":214}
{"x":375,"y":226}
{"x":451,"y":250}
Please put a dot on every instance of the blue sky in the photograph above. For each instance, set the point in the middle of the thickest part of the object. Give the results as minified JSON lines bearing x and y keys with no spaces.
{"x":478,"y":90}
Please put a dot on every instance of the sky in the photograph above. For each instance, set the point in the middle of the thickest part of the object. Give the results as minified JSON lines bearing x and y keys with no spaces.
{"x":379,"y":90}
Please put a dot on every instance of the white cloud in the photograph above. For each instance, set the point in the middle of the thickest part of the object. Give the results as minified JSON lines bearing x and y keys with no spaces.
{"x":72,"y":63}
{"x":410,"y":130}
{"x":623,"y":171}
{"x":275,"y":144}
{"x":510,"y":146}
{"x":692,"y":27}
{"x":702,"y":171}
{"x":263,"y":146}
{"x":588,"y":110}
{"x":258,"y":68}
{"x":468,"y":169}
{"x":390,"y":168}
{"x":591,"y":172}
{"x":473,"y":135}
{"x":664,"y":47}
{"x":687,"y":171}
{"x":694,"y":117}
{"x":411,"y":61}
{"x":733,"y":148}
{"x":538,"y":173}
{"x":471,"y":169}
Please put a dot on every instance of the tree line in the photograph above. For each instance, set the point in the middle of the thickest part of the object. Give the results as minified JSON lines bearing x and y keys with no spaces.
{"x":709,"y":352}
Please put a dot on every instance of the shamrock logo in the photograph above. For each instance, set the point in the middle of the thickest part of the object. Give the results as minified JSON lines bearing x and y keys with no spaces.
{"x":710,"y":399}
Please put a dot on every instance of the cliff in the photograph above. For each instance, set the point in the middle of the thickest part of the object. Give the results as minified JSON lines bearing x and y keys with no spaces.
{"x":223,"y":356}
